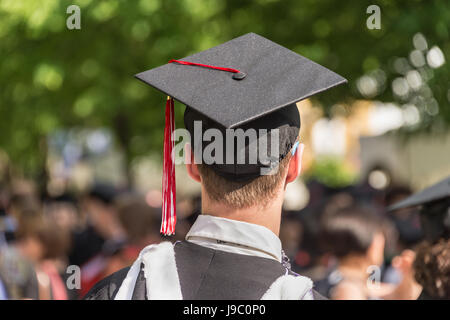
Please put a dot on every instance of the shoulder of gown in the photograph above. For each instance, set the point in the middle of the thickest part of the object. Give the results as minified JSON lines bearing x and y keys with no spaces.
{"x":107,"y":288}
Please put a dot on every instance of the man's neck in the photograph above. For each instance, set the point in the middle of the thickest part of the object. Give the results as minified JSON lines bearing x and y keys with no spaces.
{"x":268,"y":216}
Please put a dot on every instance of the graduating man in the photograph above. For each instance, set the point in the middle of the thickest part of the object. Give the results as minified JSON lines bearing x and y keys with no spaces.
{"x":242,"y":118}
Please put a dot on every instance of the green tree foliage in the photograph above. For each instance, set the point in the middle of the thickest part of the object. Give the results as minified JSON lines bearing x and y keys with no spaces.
{"x":52,"y":77}
{"x":331,"y":171}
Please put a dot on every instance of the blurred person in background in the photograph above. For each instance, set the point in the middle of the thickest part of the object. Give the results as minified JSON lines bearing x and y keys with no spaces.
{"x":354,"y":235}
{"x":408,"y":232}
{"x":95,"y":213}
{"x":298,"y":237}
{"x":17,"y":272}
{"x":432,"y":261}
{"x":406,"y":220}
{"x":45,"y":245}
{"x":63,"y":210}
{"x":141,"y":225}
{"x":20,"y":206}
{"x":310,"y":259}
{"x":102,"y":238}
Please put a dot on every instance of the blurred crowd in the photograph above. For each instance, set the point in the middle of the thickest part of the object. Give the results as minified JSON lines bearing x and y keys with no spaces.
{"x":344,"y":239}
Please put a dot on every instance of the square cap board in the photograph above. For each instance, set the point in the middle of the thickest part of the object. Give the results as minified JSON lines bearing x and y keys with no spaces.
{"x":275,"y":77}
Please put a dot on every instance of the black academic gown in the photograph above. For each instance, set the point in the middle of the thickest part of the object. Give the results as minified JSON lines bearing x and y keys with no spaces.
{"x":206,"y":274}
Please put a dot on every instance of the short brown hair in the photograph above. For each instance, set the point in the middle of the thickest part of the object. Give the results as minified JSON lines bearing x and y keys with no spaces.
{"x":245,"y":194}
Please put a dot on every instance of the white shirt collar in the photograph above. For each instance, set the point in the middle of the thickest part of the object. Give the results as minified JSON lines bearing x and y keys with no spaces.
{"x":235,"y":236}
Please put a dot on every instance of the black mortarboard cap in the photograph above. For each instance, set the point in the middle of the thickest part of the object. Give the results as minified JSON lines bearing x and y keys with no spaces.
{"x":436,"y":192}
{"x":275,"y":77}
{"x":434,"y":203}
{"x":247,"y":82}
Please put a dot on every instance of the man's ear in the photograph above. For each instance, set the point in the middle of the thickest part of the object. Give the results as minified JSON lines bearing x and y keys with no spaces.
{"x":295,"y":164}
{"x":191,"y":167}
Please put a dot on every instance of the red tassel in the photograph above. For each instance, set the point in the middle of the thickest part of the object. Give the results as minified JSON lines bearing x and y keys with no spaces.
{"x":169,"y":218}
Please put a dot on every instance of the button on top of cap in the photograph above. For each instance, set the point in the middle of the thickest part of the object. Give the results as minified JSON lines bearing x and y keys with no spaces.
{"x":239,"y":76}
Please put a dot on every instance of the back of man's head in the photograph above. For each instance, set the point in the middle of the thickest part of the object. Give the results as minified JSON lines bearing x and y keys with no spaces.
{"x":243,"y":194}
